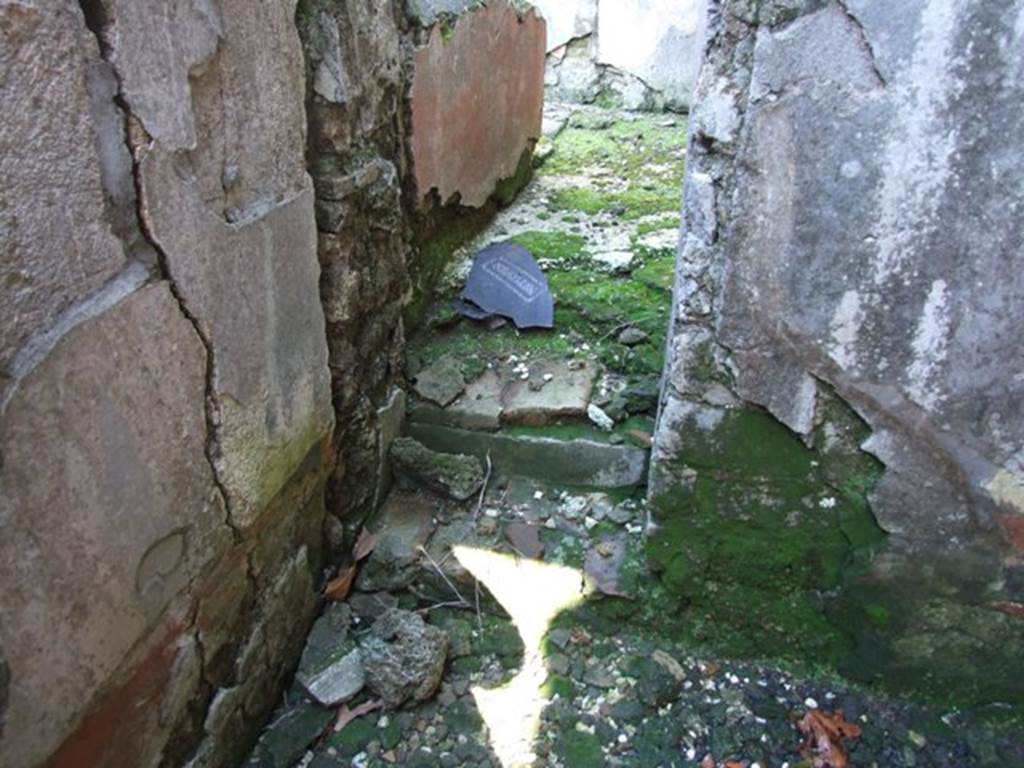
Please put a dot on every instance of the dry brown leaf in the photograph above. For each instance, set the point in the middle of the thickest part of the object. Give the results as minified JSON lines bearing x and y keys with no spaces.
{"x":346,"y":715}
{"x":365,"y":544}
{"x":734,"y":764}
{"x":1010,"y":609}
{"x":337,"y":589}
{"x":826,"y":733}
{"x":579,"y":636}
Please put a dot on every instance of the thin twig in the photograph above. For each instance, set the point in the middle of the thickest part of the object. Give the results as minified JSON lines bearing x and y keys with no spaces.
{"x":483,"y":490}
{"x":451,"y":604}
{"x":479,"y":619}
{"x":425,"y":598}
{"x":616,"y":329}
{"x":442,"y":574}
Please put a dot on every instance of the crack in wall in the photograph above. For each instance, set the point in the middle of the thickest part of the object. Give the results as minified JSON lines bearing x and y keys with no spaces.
{"x":865,"y":41}
{"x":136,"y":141}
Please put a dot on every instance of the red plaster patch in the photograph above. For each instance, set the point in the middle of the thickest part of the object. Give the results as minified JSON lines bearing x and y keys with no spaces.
{"x":1013,"y":530}
{"x":477,"y":102}
{"x":114,"y":733}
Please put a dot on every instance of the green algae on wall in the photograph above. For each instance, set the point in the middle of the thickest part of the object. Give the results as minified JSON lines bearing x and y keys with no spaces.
{"x":758,"y":529}
{"x":771,"y":549}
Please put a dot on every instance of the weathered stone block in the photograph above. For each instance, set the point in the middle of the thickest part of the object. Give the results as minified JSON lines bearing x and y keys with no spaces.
{"x":572,"y":462}
{"x":453,"y":474}
{"x":271,"y":386}
{"x":116,"y":416}
{"x":331,"y":668}
{"x":404,"y":657}
{"x":58,"y":243}
{"x":849,"y":174}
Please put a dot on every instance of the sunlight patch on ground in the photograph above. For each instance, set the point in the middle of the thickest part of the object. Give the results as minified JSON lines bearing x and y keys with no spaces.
{"x":533,"y":593}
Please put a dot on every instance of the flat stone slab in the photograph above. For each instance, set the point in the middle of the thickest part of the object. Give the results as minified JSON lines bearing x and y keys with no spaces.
{"x":570,"y":462}
{"x":440,"y":382}
{"x":406,"y":523}
{"x":331,"y":669}
{"x":479,"y":407}
{"x":564,"y":396}
{"x":404,"y":657}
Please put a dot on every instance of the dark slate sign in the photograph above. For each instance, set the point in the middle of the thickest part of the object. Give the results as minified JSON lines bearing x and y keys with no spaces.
{"x":505,"y":280}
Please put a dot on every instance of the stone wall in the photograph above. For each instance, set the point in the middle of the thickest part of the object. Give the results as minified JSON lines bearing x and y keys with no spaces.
{"x":355,"y":89}
{"x":166,"y":403}
{"x":641,"y":54}
{"x":415,"y":126}
{"x":208,"y":209}
{"x":838,"y":455}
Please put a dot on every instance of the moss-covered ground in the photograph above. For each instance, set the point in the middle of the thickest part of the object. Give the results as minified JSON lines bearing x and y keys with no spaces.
{"x":631,"y":681}
{"x":612,"y":185}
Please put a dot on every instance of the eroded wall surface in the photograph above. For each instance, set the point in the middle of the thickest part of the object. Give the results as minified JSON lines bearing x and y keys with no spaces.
{"x":849,"y":289}
{"x":644,"y":54}
{"x":356,"y":84}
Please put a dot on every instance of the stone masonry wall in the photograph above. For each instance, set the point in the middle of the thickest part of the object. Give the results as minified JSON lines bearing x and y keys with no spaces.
{"x":850,"y":269}
{"x":356,"y":83}
{"x":208,"y":212}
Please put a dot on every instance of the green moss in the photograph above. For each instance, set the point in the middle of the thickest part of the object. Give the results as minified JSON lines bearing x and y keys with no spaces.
{"x":608,"y":98}
{"x":451,"y":229}
{"x":583,"y":200}
{"x":658,"y":273}
{"x":354,"y":737}
{"x":580,"y":750}
{"x":440,"y":470}
{"x":563,"y":247}
{"x":922,"y":631}
{"x":644,"y":228}
{"x":589,"y":302}
{"x":629,"y":148}
{"x":461,"y":717}
{"x":467,"y":665}
{"x":556,"y":685}
{"x":507,"y":189}
{"x":756,"y":531}
{"x":446,"y":228}
{"x":646,"y":160}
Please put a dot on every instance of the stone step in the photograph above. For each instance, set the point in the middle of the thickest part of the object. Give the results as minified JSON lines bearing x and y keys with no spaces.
{"x":533,"y":393}
{"x":578,"y":462}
